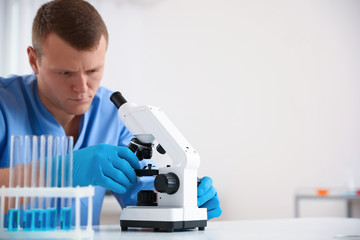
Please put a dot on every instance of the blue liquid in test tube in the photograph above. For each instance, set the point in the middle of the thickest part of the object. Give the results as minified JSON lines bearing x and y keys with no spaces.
{"x":50,"y":219}
{"x":38,"y":219}
{"x":28,"y":220}
{"x":66,"y":218}
{"x":13,"y":215}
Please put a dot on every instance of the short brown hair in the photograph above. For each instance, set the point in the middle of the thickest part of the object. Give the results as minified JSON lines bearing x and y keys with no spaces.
{"x":75,"y":21}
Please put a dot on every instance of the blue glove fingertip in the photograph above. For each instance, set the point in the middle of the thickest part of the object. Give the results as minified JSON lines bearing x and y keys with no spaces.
{"x":200,"y":192}
{"x":134,"y":180}
{"x":207,"y":196}
{"x":204,"y":186}
{"x":129,"y":156}
{"x":214,"y":213}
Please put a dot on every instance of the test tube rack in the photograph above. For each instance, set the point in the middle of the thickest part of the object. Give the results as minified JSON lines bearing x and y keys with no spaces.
{"x":76,"y":232}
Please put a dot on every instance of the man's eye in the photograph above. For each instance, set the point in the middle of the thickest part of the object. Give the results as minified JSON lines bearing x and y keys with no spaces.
{"x":64,"y":73}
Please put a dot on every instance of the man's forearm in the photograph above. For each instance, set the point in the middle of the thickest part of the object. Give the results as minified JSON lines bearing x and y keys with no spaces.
{"x":4,"y":177}
{"x":4,"y":180}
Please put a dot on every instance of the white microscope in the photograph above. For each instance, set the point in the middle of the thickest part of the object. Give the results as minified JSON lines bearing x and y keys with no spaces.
{"x":174,"y":206}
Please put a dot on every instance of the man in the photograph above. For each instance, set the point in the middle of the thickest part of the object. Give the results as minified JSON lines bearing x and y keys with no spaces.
{"x":63,"y":97}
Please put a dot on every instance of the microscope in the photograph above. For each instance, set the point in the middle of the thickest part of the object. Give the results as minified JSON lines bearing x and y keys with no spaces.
{"x":174,"y":204}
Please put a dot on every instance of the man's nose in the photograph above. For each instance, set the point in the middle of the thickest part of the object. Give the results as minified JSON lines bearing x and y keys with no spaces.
{"x":80,"y":83}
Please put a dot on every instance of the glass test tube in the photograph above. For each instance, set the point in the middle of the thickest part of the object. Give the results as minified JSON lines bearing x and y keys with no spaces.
{"x":16,"y":160}
{"x":42,"y":168}
{"x":33,"y":216}
{"x":34,"y":168}
{"x":28,"y":213}
{"x":51,"y":156}
{"x":66,"y":181}
{"x":41,"y":213}
{"x":37,"y":178}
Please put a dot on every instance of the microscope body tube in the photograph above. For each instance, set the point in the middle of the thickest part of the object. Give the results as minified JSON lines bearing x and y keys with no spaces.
{"x":148,"y":123}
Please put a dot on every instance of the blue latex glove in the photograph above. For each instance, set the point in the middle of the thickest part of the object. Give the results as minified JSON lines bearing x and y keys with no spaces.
{"x":111,"y":167}
{"x":207,"y":198}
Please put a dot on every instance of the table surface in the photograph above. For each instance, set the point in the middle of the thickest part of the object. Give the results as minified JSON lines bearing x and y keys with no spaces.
{"x":303,"y":228}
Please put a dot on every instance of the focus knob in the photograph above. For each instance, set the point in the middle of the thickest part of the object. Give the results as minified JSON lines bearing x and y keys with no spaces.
{"x":167,"y":183}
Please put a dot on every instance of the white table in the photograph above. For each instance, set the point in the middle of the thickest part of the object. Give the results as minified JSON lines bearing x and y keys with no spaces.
{"x":347,"y":199}
{"x":289,"y":229}
{"x":337,"y":194}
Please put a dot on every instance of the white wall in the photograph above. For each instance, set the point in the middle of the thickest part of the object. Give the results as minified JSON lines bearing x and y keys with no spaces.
{"x":266,"y":91}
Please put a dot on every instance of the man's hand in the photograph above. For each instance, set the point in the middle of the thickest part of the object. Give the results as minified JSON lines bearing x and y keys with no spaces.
{"x":111,"y":167}
{"x":208,"y":198}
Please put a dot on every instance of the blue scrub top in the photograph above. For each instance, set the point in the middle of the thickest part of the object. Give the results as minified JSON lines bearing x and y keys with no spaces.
{"x":22,"y":113}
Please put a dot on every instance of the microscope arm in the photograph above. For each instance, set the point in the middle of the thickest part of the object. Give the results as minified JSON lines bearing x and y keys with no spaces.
{"x":148,"y":123}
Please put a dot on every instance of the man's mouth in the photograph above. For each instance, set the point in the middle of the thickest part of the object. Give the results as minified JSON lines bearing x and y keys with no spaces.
{"x":80,"y":100}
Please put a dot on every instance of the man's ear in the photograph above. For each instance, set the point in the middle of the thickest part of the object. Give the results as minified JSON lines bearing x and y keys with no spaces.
{"x":33,"y":60}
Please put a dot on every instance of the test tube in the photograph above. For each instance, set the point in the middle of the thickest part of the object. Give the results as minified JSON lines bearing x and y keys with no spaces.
{"x":41,"y":212}
{"x":34,"y":216}
{"x":66,"y":181}
{"x":16,"y":160}
{"x":49,"y":215}
{"x":56,"y":168}
{"x":34,"y":168}
{"x":28,"y":216}
{"x":42,"y":168}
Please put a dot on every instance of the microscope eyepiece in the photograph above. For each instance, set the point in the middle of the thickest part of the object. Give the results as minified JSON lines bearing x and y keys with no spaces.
{"x":117,"y":99}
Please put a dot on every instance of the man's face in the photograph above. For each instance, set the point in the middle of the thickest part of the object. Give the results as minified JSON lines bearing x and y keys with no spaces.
{"x":68,"y":78}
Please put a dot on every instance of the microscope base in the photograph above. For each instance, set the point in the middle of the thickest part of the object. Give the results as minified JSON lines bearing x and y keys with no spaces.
{"x":162,"y":218}
{"x":169,"y":226}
